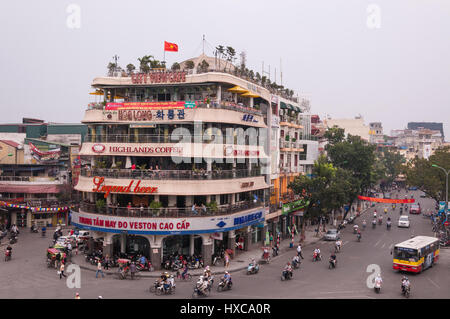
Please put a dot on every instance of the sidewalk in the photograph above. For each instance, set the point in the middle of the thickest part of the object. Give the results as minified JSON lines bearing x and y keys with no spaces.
{"x":240,"y":261}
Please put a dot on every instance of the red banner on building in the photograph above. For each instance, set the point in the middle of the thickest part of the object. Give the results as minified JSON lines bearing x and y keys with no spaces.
{"x":145,"y":105}
{"x":387,"y":200}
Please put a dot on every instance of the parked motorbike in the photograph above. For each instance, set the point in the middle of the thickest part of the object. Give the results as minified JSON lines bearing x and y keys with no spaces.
{"x":275,"y":251}
{"x":147,"y":266}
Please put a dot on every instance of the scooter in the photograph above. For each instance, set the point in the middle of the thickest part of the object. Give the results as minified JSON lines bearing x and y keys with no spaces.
{"x":332,"y":263}
{"x":296,"y":264}
{"x":274,"y":251}
{"x":198,"y":293}
{"x":7,"y":255}
{"x":374,"y":224}
{"x":223,"y":286}
{"x":252,"y":269}
{"x":406,"y":291}
{"x":316,"y":257}
{"x":286,"y":275}
{"x":388,"y":225}
{"x":358,"y":236}
{"x":377,"y":286}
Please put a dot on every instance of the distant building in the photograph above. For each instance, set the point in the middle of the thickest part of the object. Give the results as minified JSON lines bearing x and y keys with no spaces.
{"x":38,"y":162}
{"x":376,"y":133}
{"x":354,"y":126}
{"x":427,"y":125}
{"x":421,"y":142}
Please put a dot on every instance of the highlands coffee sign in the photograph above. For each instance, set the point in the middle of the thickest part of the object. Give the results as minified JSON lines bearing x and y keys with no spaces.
{"x":133,"y":187}
{"x":158,"y":77}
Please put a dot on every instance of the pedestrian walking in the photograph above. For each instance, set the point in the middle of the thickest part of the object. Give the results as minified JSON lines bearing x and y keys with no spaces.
{"x":227,"y":259}
{"x":61,"y":271}
{"x":107,"y":262}
{"x":132,"y":269}
{"x":99,"y":270}
{"x":271,"y":239}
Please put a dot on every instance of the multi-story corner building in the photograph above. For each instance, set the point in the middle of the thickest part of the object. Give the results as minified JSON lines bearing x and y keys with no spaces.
{"x":37,"y":160}
{"x":354,"y":126}
{"x":294,"y":150}
{"x":177,"y":164}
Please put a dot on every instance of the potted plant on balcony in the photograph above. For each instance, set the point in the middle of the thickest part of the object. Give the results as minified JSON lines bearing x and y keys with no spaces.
{"x":100,"y":204}
{"x":212,"y":206}
{"x":155,"y":207}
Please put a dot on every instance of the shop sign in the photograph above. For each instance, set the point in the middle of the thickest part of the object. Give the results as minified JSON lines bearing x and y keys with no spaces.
{"x":230,"y":151}
{"x":146,"y":149}
{"x":247,"y":184}
{"x":247,"y":218}
{"x":163,"y":226}
{"x":145,"y":105}
{"x":100,"y":188}
{"x":98,"y":148}
{"x":293,"y":206}
{"x":150,"y":115}
{"x":158,"y":77}
{"x":249,"y":118}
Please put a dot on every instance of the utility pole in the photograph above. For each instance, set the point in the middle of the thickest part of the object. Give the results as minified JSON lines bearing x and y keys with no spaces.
{"x":115,"y":57}
{"x":203,"y":44}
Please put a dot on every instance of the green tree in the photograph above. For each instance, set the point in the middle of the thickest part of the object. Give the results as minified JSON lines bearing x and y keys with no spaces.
{"x":220,"y":53}
{"x":230,"y":53}
{"x":189,"y":64}
{"x":130,"y":68}
{"x":392,"y":165}
{"x":203,"y":66}
{"x":334,"y":135}
{"x":429,"y":179}
{"x":175,"y":66}
{"x":111,"y":68}
{"x":358,"y":157}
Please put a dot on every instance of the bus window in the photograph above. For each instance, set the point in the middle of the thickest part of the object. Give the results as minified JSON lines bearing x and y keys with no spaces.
{"x":405,"y":254}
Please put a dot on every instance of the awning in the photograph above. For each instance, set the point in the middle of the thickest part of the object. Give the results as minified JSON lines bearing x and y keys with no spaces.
{"x":97,"y":92}
{"x":23,"y":169}
{"x":238,"y":89}
{"x":249,"y":94}
{"x":299,"y":110}
{"x":290,"y":106}
{"x":283,"y":105}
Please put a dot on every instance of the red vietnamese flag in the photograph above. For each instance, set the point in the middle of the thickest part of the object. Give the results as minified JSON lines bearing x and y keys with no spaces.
{"x":170,"y":47}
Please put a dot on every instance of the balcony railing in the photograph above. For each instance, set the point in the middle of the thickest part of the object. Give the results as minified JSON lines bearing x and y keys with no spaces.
{"x":169,"y":174}
{"x":158,"y":139}
{"x":169,"y":212}
{"x":33,"y":179}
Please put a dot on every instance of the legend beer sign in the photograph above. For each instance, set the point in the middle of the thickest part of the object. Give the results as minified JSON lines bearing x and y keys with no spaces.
{"x":107,"y":189}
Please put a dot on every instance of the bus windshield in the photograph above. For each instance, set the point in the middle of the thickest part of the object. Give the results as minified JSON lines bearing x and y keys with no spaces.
{"x":405,"y":254}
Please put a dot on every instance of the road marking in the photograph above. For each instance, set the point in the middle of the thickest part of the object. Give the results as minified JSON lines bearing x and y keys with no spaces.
{"x":345,"y":243}
{"x":383,"y":245}
{"x":433,"y":283}
{"x":341,"y":292}
{"x":390,"y":246}
{"x":377,"y":243}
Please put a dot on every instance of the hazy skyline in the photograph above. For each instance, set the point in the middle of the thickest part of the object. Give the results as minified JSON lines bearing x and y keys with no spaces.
{"x":394,"y":74}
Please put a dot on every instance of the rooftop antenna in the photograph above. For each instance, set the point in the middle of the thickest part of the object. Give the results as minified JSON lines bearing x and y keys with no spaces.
{"x":203,"y":44}
{"x":281,"y":74}
{"x":115,"y":57}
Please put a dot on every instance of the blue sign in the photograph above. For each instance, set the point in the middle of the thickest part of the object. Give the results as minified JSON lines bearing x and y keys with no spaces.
{"x":441,"y":207}
{"x":249,"y":118}
{"x":247,"y":218}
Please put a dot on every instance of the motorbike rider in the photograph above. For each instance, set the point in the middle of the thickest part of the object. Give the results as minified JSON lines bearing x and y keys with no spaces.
{"x":253,"y":264}
{"x":380,"y":219}
{"x":227,"y":278}
{"x":385,"y":209}
{"x":202,"y":285}
{"x":9,"y":250}
{"x":364,"y":224}
{"x":288,"y":269}
{"x":375,"y":214}
{"x":317,"y":253}
{"x":295,"y":260}
{"x":143,"y":260}
{"x":207,"y":273}
{"x":358,"y":234}
{"x":405,"y":283}
{"x":355,"y":228}
{"x":388,"y":222}
{"x":333,"y":259}
{"x":338,"y":245}
{"x":185,"y":270}
{"x":374,"y":222}
{"x":378,"y":279}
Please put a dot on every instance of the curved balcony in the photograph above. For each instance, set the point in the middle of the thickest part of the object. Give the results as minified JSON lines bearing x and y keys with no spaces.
{"x":169,"y":174}
{"x":169,"y":212}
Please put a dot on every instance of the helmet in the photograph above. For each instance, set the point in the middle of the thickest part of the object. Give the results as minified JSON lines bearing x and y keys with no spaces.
{"x":226,"y":272}
{"x":201,"y":278}
{"x":77,"y":294}
{"x":100,"y":297}
{"x":207,"y":268}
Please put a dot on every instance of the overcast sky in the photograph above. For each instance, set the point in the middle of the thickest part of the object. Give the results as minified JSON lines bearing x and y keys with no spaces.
{"x":389,"y":62}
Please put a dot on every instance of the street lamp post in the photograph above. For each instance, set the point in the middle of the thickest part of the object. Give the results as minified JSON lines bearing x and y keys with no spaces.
{"x":446,"y":183}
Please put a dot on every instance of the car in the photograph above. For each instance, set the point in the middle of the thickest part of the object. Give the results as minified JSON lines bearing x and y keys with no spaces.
{"x":387,"y":195}
{"x":423,"y":195}
{"x":412,"y":188}
{"x":84,"y":235}
{"x":332,"y":234}
{"x":415,"y":209}
{"x":403,"y":221}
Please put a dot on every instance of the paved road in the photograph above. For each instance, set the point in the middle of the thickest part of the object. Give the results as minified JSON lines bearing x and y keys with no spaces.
{"x":27,"y":276}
